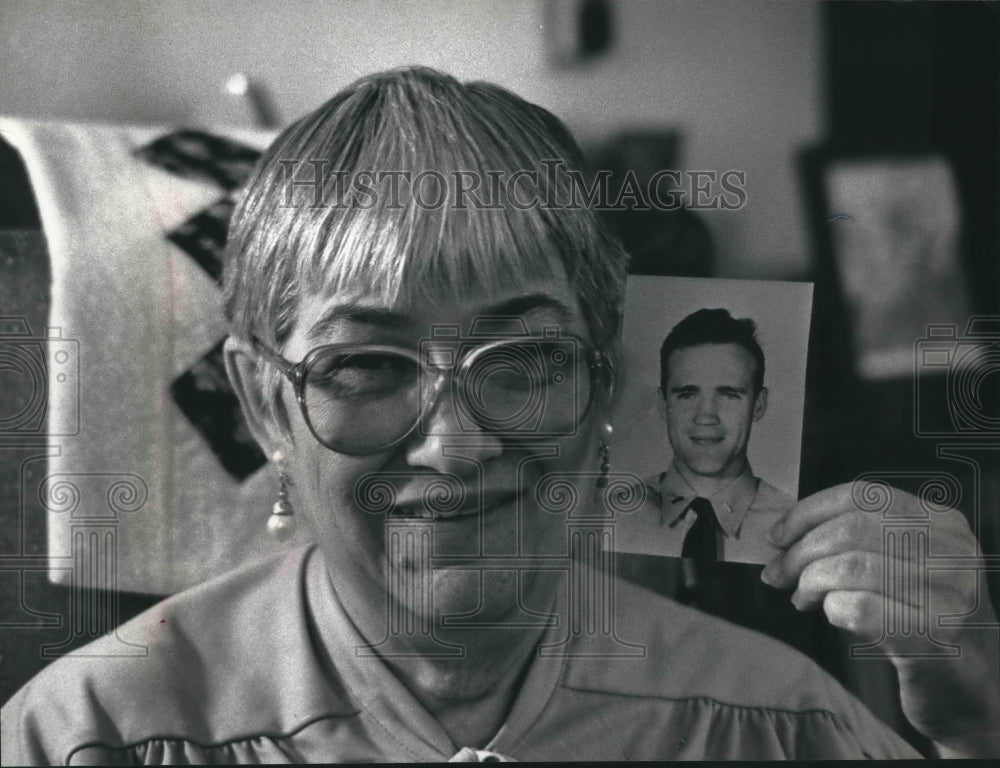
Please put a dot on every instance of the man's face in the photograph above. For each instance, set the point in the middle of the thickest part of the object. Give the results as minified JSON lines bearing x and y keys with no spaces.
{"x":710,"y":406}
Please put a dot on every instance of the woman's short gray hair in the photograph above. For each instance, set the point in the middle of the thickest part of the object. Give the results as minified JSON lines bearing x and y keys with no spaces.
{"x":335,"y":202}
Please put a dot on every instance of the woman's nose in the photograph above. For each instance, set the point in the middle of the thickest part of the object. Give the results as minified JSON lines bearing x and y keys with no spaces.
{"x":447,"y":440}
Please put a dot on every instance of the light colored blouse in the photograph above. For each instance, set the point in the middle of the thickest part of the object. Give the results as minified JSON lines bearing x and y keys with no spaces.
{"x":262,"y":665}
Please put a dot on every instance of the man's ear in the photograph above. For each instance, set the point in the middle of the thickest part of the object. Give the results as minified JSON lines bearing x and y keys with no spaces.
{"x":760,"y":404}
{"x":661,"y":404}
{"x":243,"y":368}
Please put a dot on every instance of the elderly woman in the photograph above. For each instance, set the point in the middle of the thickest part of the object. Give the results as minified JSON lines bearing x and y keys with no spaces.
{"x":424,"y":339}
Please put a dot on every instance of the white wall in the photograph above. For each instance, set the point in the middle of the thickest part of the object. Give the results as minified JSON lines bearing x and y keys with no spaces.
{"x":740,"y":77}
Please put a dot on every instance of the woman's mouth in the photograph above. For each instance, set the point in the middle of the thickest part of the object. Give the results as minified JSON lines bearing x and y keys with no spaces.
{"x":422,"y":510}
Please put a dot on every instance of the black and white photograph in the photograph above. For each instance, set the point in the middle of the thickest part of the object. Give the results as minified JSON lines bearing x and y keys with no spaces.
{"x":710,"y":409}
{"x":499,"y":380}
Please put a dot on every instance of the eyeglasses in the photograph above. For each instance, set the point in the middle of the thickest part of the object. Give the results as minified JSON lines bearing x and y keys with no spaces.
{"x":359,"y":399}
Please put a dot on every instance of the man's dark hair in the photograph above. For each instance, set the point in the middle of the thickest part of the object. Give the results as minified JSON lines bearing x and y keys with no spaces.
{"x":713,"y":326}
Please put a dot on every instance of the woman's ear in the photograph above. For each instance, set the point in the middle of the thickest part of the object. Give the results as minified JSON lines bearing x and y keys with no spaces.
{"x":244,"y":369}
{"x":613,"y":382}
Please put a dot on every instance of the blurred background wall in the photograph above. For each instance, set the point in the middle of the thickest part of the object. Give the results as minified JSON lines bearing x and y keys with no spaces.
{"x":741,"y":80}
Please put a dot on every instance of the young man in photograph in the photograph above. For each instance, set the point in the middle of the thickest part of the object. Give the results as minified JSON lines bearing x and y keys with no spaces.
{"x":708,"y":504}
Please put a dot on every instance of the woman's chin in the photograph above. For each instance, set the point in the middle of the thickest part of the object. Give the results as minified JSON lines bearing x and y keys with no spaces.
{"x":455,"y":598}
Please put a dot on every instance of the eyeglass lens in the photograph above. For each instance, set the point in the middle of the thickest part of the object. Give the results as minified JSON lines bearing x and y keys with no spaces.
{"x":358,"y":400}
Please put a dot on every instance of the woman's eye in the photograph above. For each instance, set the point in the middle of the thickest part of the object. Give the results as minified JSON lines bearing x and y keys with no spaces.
{"x":363,"y":375}
{"x":517,"y":379}
{"x":515,"y":368}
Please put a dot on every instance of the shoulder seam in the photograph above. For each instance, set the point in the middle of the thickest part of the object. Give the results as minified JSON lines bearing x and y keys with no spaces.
{"x":717,"y":702}
{"x":837,"y":720}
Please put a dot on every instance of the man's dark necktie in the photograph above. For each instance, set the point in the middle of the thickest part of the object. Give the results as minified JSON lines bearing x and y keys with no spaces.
{"x":702,"y":538}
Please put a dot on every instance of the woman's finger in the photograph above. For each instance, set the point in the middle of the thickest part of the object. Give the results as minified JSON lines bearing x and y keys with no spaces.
{"x":846,"y":571}
{"x":850,"y":531}
{"x":810,"y":512}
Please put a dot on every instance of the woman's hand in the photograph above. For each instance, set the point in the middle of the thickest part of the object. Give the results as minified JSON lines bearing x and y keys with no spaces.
{"x":873,"y":580}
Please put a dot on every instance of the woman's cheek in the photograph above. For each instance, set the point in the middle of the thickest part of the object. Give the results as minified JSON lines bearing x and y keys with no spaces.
{"x":326,"y":485}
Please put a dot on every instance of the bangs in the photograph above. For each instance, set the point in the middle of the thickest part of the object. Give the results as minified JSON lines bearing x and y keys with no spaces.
{"x":412,"y":253}
{"x":428,"y":200}
{"x":410,"y":185}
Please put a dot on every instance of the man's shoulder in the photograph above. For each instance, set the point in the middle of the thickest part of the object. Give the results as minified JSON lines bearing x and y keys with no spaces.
{"x":770,"y":498}
{"x":768,"y":506}
{"x":185,"y":668}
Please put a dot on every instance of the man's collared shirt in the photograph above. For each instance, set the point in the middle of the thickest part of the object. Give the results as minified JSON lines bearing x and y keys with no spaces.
{"x":746,"y":509}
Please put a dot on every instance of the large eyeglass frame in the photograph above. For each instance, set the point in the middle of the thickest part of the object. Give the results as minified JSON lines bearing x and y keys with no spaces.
{"x":296,"y":373}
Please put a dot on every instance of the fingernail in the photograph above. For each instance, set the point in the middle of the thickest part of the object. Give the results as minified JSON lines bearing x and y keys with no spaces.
{"x":776,"y":533}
